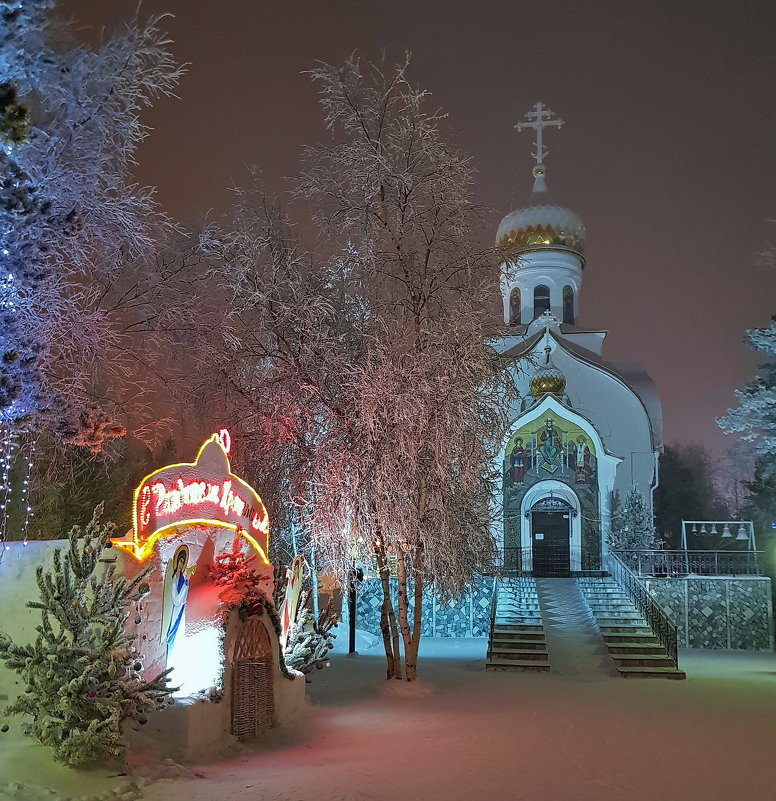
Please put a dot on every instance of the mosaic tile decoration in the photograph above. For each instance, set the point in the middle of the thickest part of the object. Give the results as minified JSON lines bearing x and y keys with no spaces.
{"x":718,"y":613}
{"x":467,"y":616}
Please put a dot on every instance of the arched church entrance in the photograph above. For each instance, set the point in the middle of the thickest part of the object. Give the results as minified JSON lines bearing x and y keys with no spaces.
{"x":551,"y":537}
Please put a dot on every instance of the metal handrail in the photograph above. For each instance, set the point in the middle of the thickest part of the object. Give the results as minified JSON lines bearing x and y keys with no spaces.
{"x":493,"y":599}
{"x":674,"y":563}
{"x":511,"y":557}
{"x":657,"y":619}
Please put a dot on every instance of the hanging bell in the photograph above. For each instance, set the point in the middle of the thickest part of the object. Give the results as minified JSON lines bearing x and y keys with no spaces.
{"x":726,"y":534}
{"x":742,"y":533}
{"x":694,"y":529}
{"x":703,"y":529}
{"x":713,"y":529}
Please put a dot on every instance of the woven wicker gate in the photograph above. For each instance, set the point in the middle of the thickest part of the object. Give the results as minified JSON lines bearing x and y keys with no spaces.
{"x":252,"y":698}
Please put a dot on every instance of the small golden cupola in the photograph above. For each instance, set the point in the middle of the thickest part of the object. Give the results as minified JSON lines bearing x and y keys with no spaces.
{"x":548,"y":379}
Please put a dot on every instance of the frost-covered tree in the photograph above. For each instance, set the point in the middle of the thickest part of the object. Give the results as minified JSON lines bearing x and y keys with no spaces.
{"x":360,"y":371}
{"x":633,"y":528}
{"x":310,"y":638}
{"x":78,"y":237}
{"x":82,"y":673}
{"x":755,"y":416}
{"x":428,"y":395}
{"x":282,"y":360}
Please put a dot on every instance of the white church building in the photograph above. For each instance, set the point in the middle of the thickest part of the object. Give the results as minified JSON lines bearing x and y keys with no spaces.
{"x":586,"y":428}
{"x":583,"y":433}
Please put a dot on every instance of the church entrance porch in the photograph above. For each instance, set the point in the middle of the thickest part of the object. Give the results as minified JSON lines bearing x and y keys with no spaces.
{"x":550,"y":538}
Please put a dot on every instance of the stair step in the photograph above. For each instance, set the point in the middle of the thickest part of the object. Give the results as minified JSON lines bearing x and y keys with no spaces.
{"x":520,"y":655}
{"x":651,"y":673}
{"x":517,"y":602}
{"x":616,"y":628}
{"x":631,"y":637}
{"x":635,"y":648}
{"x":509,"y":642}
{"x":609,"y":601}
{"x":514,"y":664}
{"x":517,"y":628}
{"x":643,"y":660}
{"x":519,"y":637}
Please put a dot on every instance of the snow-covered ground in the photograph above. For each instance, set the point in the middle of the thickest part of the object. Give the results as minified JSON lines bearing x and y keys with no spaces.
{"x":467,"y":734}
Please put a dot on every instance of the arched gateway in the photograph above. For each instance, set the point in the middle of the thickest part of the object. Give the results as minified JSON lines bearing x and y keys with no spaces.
{"x":550,"y":530}
{"x":551,"y":537}
{"x":558,"y":481}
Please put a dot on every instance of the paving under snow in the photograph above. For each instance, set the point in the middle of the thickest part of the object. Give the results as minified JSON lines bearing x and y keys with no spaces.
{"x":467,"y":734}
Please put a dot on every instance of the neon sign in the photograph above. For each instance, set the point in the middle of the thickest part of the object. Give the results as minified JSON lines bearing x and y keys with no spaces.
{"x":203,"y":492}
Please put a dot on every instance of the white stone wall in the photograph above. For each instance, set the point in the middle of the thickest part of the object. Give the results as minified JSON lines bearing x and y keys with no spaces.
{"x":551,"y":268}
{"x":189,"y":729}
{"x":17,"y":586}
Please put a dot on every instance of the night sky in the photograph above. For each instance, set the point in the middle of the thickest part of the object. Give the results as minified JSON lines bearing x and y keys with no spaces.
{"x":668,"y":152}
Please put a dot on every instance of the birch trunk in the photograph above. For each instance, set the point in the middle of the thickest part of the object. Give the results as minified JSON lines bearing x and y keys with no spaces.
{"x":404,"y":626}
{"x":411,"y":651}
{"x":388,"y":626}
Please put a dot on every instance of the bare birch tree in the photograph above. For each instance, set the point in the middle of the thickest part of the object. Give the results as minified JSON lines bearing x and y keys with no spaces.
{"x":429,"y":397}
{"x":358,"y":375}
{"x":280,"y":357}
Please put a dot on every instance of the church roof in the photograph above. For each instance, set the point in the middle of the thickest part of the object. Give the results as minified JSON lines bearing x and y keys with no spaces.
{"x":631,"y":374}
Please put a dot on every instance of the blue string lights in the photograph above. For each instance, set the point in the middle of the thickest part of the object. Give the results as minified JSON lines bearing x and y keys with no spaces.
{"x":15,"y":406}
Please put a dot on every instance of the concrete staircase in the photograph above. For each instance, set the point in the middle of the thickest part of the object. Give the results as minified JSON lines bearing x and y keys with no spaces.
{"x":516,"y":639}
{"x":632,"y":645}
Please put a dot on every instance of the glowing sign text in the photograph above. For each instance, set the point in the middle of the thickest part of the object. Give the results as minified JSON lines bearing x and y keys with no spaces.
{"x":204,"y":492}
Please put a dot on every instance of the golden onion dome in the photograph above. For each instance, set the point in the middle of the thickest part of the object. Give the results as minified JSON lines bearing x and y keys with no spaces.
{"x":541,"y":223}
{"x":548,"y":379}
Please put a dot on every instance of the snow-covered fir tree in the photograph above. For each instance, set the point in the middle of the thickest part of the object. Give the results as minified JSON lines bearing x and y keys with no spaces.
{"x":755,"y":416}
{"x":81,"y":675}
{"x":309,"y":639}
{"x":633,"y":527}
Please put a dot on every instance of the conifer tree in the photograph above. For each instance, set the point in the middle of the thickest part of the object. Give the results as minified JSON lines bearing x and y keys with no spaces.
{"x":309,"y":641}
{"x":82,"y":673}
{"x":633,"y":527}
{"x":755,"y":416}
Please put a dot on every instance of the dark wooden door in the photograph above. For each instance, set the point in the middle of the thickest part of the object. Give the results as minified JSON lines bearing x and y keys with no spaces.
{"x":551,"y":553}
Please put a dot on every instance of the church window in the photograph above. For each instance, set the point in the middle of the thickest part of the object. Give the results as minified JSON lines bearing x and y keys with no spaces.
{"x":514,"y":307}
{"x":568,"y":305}
{"x":541,"y":300}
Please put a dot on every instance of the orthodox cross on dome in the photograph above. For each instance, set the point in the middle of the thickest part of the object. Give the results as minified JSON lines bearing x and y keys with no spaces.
{"x":539,"y":119}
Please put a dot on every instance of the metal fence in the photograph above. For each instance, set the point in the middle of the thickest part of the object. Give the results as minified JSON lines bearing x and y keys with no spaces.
{"x":515,"y":560}
{"x":657,"y":619}
{"x":677,"y":564}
